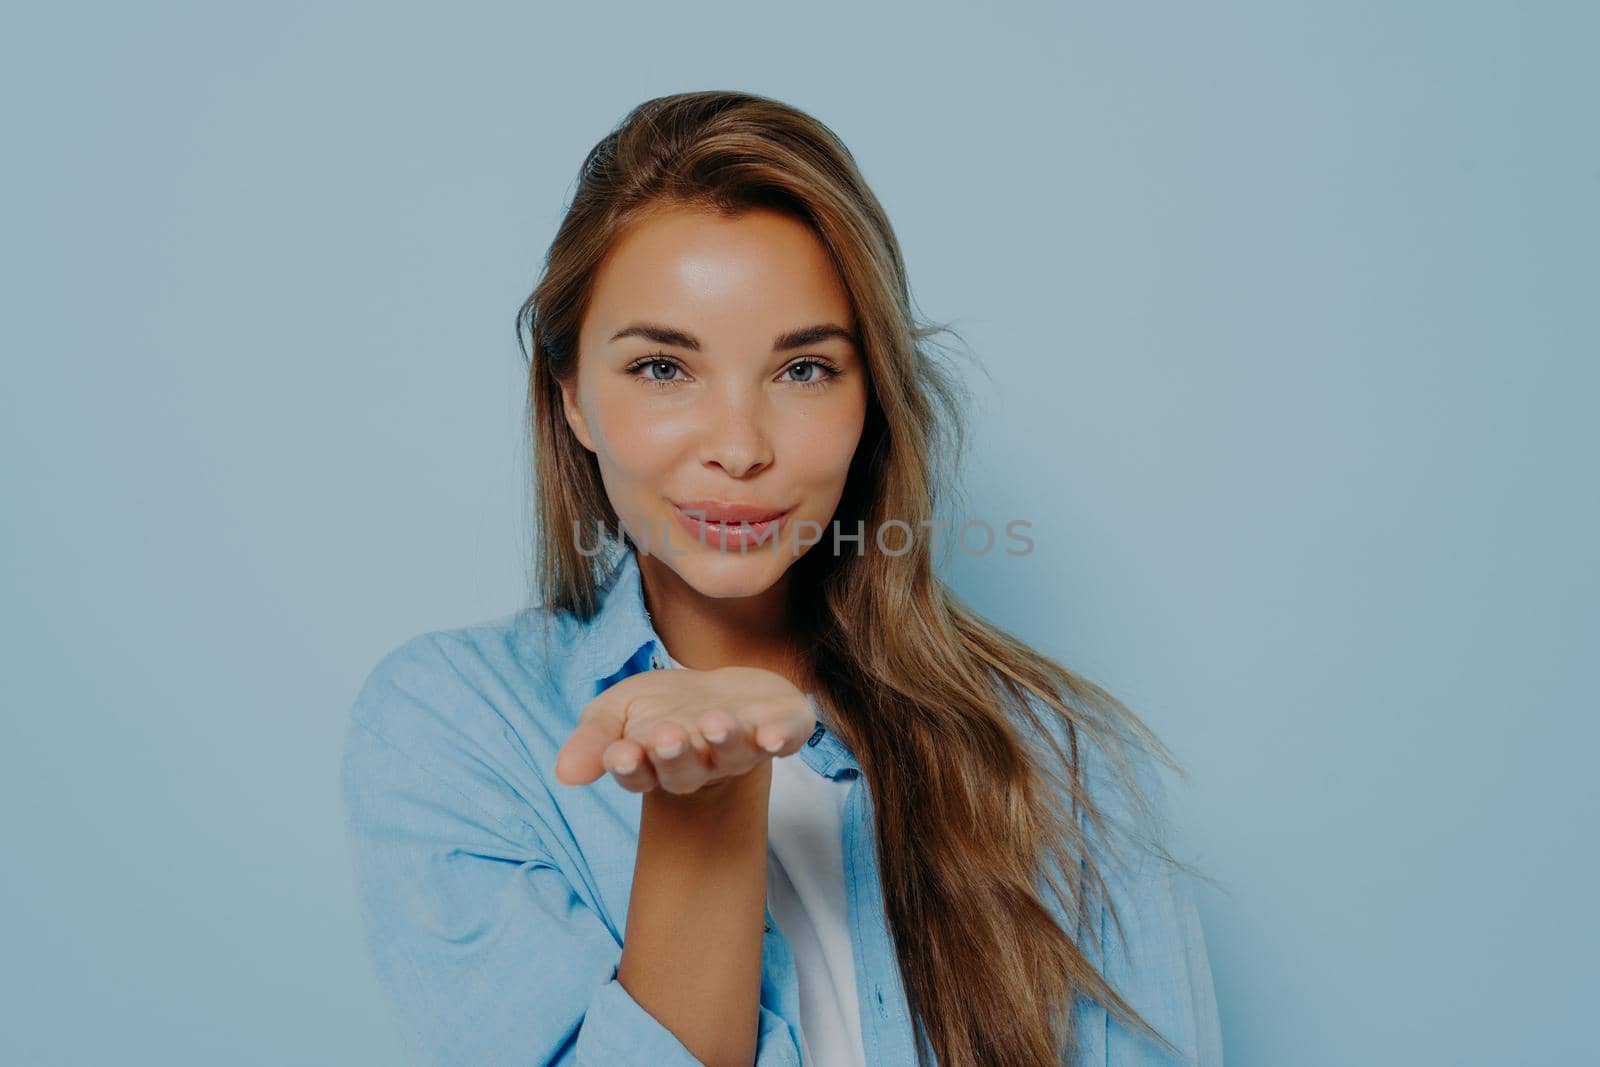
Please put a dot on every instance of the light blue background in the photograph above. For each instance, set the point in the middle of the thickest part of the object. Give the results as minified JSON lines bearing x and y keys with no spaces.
{"x":1289,"y":312}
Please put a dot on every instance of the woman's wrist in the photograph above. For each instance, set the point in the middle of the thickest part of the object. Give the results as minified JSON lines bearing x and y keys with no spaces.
{"x":734,"y":792}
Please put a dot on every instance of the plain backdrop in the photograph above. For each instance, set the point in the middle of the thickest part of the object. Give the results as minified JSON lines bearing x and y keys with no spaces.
{"x":1287,"y":319}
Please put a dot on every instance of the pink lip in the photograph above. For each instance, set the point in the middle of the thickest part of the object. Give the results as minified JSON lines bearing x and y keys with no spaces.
{"x":731,"y":526}
{"x":721,"y":511}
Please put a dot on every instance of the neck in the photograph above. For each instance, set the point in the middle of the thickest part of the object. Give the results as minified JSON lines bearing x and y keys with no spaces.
{"x":705,"y":633}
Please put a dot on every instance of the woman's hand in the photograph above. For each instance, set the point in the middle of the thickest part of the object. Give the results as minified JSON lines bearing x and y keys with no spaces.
{"x":682,"y":730}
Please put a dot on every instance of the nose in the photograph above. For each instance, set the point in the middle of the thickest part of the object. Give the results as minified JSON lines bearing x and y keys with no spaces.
{"x":735,"y":436}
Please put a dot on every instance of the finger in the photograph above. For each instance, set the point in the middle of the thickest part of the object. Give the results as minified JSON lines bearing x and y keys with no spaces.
{"x":776,"y":740}
{"x":680,"y":768}
{"x":728,"y":742}
{"x":579,"y":760}
{"x":780,"y":730}
{"x":630,"y":765}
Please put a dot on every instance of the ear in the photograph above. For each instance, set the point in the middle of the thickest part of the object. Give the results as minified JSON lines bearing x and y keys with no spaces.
{"x":574,"y":413}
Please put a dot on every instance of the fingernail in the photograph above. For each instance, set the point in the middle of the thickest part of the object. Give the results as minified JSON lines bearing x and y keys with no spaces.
{"x":716,"y":733}
{"x":625,"y":766}
{"x":670,"y":749}
{"x":772,"y":744}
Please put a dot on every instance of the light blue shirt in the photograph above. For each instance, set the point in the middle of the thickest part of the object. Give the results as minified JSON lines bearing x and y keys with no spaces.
{"x":495,"y":897}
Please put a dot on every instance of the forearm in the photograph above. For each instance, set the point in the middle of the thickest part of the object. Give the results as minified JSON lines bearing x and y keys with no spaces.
{"x":692,"y":949}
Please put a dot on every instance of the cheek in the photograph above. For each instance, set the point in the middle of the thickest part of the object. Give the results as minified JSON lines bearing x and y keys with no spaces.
{"x":641,"y":449}
{"x":632,"y":437}
{"x":826,"y":443}
{"x":636,"y":449}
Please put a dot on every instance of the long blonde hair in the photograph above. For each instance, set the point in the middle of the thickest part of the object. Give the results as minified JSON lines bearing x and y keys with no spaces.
{"x":940,"y":706}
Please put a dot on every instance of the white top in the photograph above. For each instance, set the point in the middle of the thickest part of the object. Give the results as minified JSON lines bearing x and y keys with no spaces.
{"x":806,"y":894}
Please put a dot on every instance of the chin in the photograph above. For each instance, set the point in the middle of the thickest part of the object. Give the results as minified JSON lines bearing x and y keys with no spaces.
{"x":728,"y":574}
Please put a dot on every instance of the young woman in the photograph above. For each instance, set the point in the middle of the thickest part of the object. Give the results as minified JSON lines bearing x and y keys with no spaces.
{"x":749,"y":785}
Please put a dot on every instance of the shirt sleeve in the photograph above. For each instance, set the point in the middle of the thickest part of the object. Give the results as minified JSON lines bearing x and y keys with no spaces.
{"x":486,"y":950}
{"x":1158,"y":963}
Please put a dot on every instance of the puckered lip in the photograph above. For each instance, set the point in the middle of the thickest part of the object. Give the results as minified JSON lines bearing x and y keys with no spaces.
{"x":725,"y":511}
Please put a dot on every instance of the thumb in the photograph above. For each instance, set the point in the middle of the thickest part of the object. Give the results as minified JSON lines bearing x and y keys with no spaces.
{"x":579,"y":760}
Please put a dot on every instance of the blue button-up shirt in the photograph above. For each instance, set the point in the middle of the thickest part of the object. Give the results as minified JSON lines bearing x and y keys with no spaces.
{"x":495,"y":897}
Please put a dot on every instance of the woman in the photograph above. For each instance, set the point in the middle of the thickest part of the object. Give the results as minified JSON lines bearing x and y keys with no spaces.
{"x":848,"y":821}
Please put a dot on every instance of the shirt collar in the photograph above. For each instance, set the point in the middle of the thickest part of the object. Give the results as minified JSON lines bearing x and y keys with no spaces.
{"x":620,"y":640}
{"x":619,"y":633}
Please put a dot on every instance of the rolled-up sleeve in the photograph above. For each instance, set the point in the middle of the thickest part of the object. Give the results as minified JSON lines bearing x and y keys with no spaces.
{"x":487,"y":952}
{"x":1158,"y":963}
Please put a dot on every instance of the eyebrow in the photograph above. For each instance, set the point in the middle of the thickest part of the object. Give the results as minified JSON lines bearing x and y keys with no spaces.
{"x":784,"y":342}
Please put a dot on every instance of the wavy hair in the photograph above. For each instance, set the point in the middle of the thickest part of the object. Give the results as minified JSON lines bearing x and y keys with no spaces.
{"x":969,"y":740}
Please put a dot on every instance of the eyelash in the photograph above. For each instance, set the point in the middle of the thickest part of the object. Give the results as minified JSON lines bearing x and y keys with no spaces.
{"x":661,"y":357}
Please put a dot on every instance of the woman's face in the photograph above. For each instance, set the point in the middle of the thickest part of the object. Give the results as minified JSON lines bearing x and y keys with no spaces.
{"x":717,"y":367}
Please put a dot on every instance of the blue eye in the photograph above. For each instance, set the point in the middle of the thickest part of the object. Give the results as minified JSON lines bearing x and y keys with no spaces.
{"x":658,"y":363}
{"x":814,"y":380}
{"x":661,"y":368}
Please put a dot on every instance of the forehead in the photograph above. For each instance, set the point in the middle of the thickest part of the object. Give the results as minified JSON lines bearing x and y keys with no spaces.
{"x":760,"y":272}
